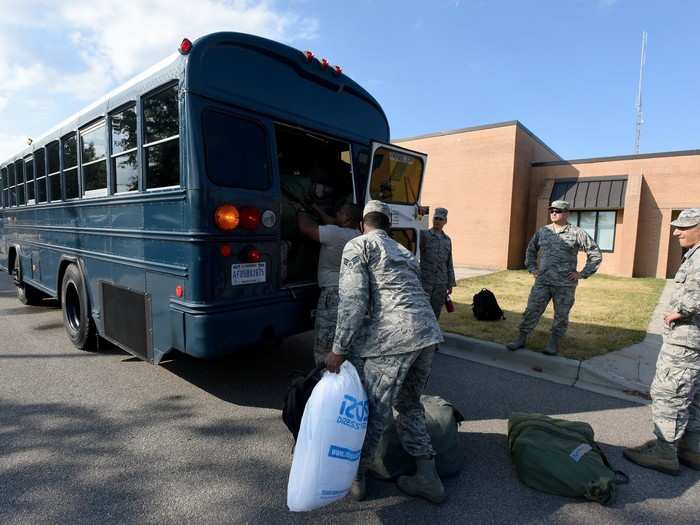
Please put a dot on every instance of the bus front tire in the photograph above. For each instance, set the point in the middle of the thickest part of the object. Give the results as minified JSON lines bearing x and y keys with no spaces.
{"x":76,"y":310}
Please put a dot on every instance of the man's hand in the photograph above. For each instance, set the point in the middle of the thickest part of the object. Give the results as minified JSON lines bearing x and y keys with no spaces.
{"x":534,"y":273}
{"x":671,"y":317}
{"x":449,"y":291}
{"x":574,"y":276}
{"x":333,"y":362}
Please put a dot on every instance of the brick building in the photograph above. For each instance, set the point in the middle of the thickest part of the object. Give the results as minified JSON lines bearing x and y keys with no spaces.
{"x":497,"y":181}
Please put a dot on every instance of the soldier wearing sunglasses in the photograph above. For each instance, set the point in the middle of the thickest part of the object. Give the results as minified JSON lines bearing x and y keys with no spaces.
{"x":556,"y":277}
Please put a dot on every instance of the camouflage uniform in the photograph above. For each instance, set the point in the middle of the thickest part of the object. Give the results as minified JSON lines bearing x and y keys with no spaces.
{"x":332,"y":239}
{"x":675,"y":391}
{"x":385,"y":319}
{"x":437,"y":270}
{"x":558,"y":257}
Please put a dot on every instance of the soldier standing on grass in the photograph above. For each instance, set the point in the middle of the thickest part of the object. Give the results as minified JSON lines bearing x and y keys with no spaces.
{"x":384,"y":318}
{"x":556,"y":278}
{"x":675,"y":391}
{"x":436,"y":269}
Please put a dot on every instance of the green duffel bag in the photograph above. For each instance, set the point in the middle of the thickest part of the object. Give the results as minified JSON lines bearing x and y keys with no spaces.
{"x":442,"y":420}
{"x":561,"y":457}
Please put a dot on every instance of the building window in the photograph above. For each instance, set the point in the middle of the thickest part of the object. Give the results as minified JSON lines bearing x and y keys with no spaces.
{"x":40,"y":169}
{"x":54,"y":166}
{"x":93,"y":151}
{"x":69,"y":154}
{"x":161,"y":149}
{"x":598,"y":224}
{"x":125,"y":164}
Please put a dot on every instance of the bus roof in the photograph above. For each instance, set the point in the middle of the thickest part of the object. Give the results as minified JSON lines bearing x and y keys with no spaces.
{"x":253,"y":72}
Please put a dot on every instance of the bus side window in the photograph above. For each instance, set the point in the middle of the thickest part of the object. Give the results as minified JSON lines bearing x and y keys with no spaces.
{"x":125,"y":163}
{"x":161,"y":149}
{"x":54,"y":166}
{"x":11,"y":185}
{"x":19,"y":188}
{"x":40,"y":169}
{"x":69,"y":152}
{"x":3,"y":187}
{"x":93,"y":160}
{"x":29,"y":178}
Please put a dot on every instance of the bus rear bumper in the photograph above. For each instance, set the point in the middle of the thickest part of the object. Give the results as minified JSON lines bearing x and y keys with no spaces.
{"x":215,"y":334}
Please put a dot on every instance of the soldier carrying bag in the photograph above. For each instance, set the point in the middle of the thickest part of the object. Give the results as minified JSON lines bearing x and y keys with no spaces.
{"x":561,"y":457}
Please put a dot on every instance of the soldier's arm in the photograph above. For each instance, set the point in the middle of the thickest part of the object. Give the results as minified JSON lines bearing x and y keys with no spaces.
{"x":531,"y":253}
{"x":307,"y":226}
{"x":354,"y":295}
{"x":688,"y":303}
{"x":451,"y":270}
{"x":593,"y":255}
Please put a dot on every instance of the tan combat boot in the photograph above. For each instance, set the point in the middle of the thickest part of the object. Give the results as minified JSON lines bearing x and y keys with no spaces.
{"x":518,"y":343}
{"x":655,"y":454}
{"x":552,"y":346}
{"x":689,"y":450}
{"x":426,"y":483}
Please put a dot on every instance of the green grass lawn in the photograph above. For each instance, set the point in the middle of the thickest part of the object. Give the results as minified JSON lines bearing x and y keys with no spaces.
{"x":610,"y":312}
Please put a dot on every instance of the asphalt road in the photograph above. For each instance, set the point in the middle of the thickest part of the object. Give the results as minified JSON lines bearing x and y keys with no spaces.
{"x":105,"y":438}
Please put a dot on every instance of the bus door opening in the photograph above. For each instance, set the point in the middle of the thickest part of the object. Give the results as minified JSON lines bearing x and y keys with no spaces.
{"x":397,"y":179}
{"x":315,"y":172}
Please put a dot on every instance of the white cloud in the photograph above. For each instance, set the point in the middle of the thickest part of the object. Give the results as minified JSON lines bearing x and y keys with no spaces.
{"x":11,"y":144}
{"x":113,"y":40}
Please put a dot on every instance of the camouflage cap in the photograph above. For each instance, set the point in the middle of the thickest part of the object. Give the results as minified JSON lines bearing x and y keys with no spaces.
{"x":687,"y":218}
{"x":440,"y":213}
{"x":561,"y":205}
{"x":377,"y":206}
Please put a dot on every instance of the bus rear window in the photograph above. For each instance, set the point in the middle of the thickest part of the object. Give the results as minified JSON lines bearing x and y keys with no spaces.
{"x":396,"y":177}
{"x":236,"y":151}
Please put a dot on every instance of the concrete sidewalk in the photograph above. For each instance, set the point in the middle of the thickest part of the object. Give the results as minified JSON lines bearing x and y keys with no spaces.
{"x":625,"y":374}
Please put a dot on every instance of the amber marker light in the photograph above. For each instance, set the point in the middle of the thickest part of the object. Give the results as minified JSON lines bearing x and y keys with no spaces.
{"x":226,"y":217}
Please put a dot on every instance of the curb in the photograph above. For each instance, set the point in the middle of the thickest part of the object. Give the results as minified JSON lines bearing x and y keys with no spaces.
{"x":562,"y":370}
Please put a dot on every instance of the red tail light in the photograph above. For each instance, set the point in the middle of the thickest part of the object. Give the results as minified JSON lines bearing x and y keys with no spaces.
{"x":225,"y":250}
{"x":185,"y":46}
{"x":249,"y":218}
{"x":254,"y":255}
{"x":179,"y":291}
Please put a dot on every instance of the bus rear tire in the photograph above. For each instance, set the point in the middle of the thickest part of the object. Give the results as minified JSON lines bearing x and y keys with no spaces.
{"x":76,"y":310}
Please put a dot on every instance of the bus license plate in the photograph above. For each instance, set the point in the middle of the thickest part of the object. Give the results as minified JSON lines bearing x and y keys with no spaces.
{"x":247,"y":273}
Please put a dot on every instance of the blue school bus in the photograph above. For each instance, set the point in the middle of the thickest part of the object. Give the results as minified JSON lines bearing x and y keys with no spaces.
{"x":163,"y":216}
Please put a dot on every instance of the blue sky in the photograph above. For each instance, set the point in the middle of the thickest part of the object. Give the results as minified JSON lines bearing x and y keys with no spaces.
{"x":567,"y":69}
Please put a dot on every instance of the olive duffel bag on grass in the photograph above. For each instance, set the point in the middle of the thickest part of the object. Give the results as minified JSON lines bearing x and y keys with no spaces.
{"x":561,"y":457}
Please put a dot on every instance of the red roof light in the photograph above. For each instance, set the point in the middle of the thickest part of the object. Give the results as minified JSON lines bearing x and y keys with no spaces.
{"x":338,"y":70}
{"x":309,"y":56}
{"x":185,"y":46}
{"x":324,"y":63}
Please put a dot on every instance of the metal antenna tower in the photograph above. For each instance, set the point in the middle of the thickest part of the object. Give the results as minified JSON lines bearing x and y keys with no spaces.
{"x":638,"y":105}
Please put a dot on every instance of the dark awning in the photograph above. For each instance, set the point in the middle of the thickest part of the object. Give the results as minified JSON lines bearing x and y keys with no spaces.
{"x":599,"y":193}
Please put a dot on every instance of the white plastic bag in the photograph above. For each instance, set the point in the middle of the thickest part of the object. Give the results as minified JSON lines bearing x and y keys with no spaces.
{"x":329,"y":444}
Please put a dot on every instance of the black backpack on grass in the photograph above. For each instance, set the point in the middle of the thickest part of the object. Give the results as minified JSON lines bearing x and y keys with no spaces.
{"x":485,"y":306}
